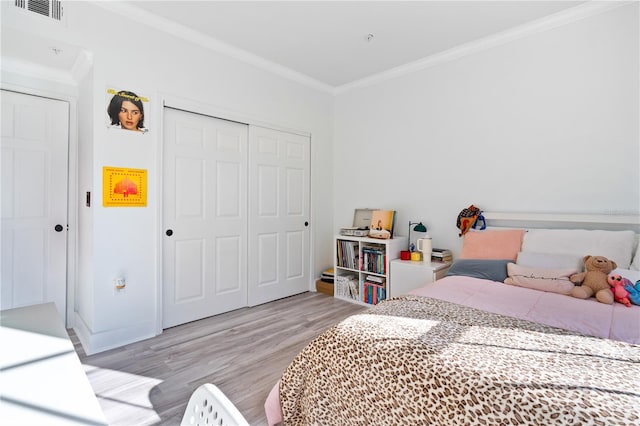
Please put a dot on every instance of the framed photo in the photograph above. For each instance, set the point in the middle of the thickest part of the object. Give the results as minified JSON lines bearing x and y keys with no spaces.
{"x":382,"y":222}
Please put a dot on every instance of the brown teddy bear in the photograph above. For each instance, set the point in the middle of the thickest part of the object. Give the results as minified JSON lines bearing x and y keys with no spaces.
{"x":594,"y":280}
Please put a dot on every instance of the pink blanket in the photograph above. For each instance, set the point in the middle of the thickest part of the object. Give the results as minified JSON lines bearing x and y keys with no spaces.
{"x":589,"y":317}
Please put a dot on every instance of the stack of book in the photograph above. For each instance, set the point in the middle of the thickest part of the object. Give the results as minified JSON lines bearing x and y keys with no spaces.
{"x":327,"y":275}
{"x":441,"y":255}
{"x":325,"y":283}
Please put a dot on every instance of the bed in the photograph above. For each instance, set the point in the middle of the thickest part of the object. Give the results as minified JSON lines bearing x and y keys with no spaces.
{"x":472,"y":349}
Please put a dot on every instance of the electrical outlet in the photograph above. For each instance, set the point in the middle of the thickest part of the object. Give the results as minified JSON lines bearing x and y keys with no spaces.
{"x":119,"y":285}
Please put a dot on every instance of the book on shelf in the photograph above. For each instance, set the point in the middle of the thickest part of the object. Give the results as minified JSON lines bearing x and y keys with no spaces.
{"x":353,"y":290}
{"x":375,"y":279}
{"x":347,"y":254}
{"x":373,"y":293}
{"x":347,"y":286}
{"x":374,"y":260}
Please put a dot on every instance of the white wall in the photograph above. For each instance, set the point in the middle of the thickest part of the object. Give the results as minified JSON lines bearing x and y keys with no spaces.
{"x":126,"y":241}
{"x":546,"y":123}
{"x":84,"y":287}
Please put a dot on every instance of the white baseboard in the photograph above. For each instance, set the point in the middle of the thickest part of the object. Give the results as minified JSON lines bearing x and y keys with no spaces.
{"x":93,"y":343}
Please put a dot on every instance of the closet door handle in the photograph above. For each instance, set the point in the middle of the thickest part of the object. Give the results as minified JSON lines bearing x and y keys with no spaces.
{"x":169,"y":232}
{"x":58,"y":228}
{"x":306,"y":224}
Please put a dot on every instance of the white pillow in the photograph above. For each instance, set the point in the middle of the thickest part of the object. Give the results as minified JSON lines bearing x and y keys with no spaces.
{"x":614,"y":245}
{"x":550,"y":261}
{"x":631,"y":275}
{"x":635,"y":264}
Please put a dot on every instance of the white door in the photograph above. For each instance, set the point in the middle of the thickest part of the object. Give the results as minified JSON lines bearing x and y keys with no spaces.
{"x":278,"y":214}
{"x":35,"y":140}
{"x":205,"y":216}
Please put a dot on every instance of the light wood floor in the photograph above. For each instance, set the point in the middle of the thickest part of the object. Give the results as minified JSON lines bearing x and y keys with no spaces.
{"x":243,"y":352}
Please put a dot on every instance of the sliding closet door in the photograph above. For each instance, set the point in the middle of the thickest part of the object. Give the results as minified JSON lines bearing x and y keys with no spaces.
{"x":204,"y":215}
{"x":278,"y":214}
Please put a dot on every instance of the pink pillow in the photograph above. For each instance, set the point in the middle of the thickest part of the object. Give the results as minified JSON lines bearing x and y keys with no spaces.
{"x":551,"y":280}
{"x":492,"y":244}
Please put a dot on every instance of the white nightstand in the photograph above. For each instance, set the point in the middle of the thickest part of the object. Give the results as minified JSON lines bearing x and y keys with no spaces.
{"x":407,"y":275}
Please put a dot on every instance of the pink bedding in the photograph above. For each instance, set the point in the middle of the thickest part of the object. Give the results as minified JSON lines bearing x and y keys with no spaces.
{"x":589,"y":317}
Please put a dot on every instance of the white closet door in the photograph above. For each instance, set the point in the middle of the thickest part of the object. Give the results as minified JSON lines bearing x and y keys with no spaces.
{"x":279,"y":203}
{"x":205,"y":211}
{"x":35,"y":141}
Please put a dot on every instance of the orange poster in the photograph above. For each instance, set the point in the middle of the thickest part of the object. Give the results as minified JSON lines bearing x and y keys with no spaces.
{"x":124,"y":187}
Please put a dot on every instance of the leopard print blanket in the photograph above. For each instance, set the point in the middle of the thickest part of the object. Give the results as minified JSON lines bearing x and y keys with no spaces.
{"x":418,"y":361}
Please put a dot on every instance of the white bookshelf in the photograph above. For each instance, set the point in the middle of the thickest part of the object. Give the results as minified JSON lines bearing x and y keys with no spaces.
{"x":362,"y":267}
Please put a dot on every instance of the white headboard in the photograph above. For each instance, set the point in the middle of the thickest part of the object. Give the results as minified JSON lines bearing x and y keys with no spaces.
{"x":564,"y":221}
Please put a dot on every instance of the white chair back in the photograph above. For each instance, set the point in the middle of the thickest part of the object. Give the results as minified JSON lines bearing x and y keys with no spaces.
{"x":209,"y":406}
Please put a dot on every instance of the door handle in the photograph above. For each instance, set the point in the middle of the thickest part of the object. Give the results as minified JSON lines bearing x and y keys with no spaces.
{"x":169,"y":232}
{"x":58,"y":228}
{"x":306,"y":224}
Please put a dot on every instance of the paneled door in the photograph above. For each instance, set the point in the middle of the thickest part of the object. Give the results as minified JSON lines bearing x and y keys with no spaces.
{"x":205,"y":216}
{"x":279,"y":206}
{"x":35,"y":144}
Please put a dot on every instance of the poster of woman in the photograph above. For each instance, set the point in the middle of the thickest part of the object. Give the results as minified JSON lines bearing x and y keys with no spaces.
{"x":125,"y":110}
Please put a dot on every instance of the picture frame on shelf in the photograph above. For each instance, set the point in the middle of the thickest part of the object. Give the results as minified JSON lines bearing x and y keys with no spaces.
{"x":382,"y":224}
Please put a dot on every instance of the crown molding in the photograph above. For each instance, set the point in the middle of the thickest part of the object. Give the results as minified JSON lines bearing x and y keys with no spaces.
{"x":178,"y":30}
{"x":582,"y":11}
{"x":36,"y":71}
{"x":82,"y":65}
{"x":559,"y":19}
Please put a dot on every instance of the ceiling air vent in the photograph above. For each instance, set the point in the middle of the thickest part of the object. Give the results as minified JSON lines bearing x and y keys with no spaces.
{"x":51,"y":9}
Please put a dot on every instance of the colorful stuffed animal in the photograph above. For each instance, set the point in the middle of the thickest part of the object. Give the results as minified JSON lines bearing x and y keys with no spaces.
{"x":634,"y":292}
{"x":617,"y":283}
{"x":593,"y":282}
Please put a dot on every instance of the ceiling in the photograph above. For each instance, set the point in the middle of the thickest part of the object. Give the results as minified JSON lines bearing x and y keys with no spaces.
{"x":329,"y":43}
{"x":339,"y":42}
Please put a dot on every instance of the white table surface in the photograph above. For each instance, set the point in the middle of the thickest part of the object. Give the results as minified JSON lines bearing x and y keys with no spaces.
{"x":42,"y":381}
